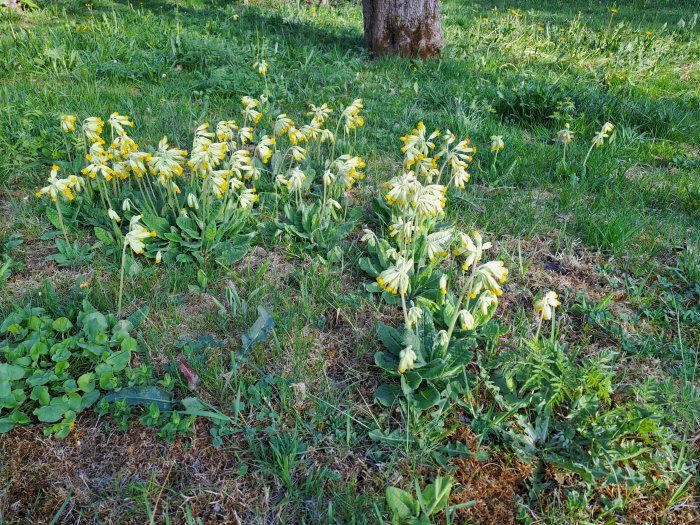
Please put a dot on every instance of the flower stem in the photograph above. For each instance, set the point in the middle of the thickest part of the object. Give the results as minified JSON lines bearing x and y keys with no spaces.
{"x":60,"y":221}
{"x":121,"y":283}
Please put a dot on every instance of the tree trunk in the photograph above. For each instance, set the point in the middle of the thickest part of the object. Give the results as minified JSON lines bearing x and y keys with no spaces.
{"x":403,"y":27}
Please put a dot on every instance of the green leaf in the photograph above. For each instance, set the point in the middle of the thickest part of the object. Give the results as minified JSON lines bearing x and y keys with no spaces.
{"x":210,"y":232}
{"x":390,"y":337}
{"x":118,"y":360}
{"x":367,"y":266}
{"x":104,"y":236}
{"x":52,"y":412}
{"x":435,"y":495}
{"x":62,"y":325}
{"x":94,"y":323}
{"x":41,"y":394}
{"x":143,"y":395}
{"x":401,"y":503}
{"x":6,"y":425}
{"x":11,"y":372}
{"x":260,"y":330}
{"x":426,"y":397}
{"x":386,"y":362}
{"x":86,"y":382}
{"x":52,"y":215}
{"x":387,"y":394}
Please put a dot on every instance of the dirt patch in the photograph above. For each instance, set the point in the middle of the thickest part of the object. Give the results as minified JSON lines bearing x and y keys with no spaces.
{"x":103,"y":475}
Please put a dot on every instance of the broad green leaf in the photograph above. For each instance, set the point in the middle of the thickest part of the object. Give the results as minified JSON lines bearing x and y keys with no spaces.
{"x":387,"y":394}
{"x":62,"y":325}
{"x":436,"y":495}
{"x":210,"y":232}
{"x":11,"y":372}
{"x":401,"y":503}
{"x":386,"y":362}
{"x":260,"y":330}
{"x":104,"y":236}
{"x":86,"y":382}
{"x":94,"y":323}
{"x":41,"y":394}
{"x":426,"y":397}
{"x":144,"y":395}
{"x":390,"y":337}
{"x":118,"y":360}
{"x":52,"y":412}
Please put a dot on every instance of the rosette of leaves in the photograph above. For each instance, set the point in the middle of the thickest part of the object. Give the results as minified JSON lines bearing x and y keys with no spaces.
{"x":192,"y":239}
{"x":316,"y":228}
{"x":53,"y":369}
{"x":187,"y":239}
{"x":435,"y":367}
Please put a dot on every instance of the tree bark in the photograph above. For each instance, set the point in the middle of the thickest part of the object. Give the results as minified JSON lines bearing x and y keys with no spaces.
{"x":403,"y":27}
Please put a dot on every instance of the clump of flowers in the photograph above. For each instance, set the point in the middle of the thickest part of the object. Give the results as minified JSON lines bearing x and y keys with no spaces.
{"x":421,"y":261}
{"x":197,"y":201}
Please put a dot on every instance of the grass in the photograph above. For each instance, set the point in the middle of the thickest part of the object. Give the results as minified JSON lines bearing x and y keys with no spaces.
{"x":627,"y":225}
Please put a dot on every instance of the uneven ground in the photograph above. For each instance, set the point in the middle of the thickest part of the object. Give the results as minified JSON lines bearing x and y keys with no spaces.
{"x":628,"y":229}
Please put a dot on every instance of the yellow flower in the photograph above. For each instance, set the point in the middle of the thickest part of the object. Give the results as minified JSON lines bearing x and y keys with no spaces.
{"x":92,"y":127}
{"x":395,"y":279}
{"x":68,"y":123}
{"x":261,"y":66}
{"x":613,"y":10}
{"x":159,"y":257}
{"x":547,"y":304}
{"x":113,"y":215}
{"x":564,"y":136}
{"x":466,"y":320}
{"x":407,"y":358}
{"x":497,"y":143}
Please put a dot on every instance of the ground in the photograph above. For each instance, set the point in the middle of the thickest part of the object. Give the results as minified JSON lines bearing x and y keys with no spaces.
{"x":619,"y":242}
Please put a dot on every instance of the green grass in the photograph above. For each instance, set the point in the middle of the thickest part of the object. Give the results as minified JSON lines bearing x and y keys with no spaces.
{"x":628,"y":225}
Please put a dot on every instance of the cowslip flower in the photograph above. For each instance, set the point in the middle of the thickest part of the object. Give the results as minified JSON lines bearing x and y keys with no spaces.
{"x":472,"y":250}
{"x":413,"y":315}
{"x":136,"y":235}
{"x":68,"y":123}
{"x":489,"y":276}
{"x":407,"y":359}
{"x":296,"y":179}
{"x":55,"y":186}
{"x":466,"y":320}
{"x":247,"y":198}
{"x":443,"y":284}
{"x":547,"y":304}
{"x":438,"y":244}
{"x":395,"y":279}
{"x":564,"y":136}
{"x":159,"y":257}
{"x":126,"y":205}
{"x":497,"y":143}
{"x":319,"y":113}
{"x":599,"y":138}
{"x":282,"y":124}
{"x":261,"y":66}
{"x":113,"y":215}
{"x":263,"y":149}
{"x":92,"y":127}
{"x":192,"y":201}
{"x":485,"y":301}
{"x":117,"y":122}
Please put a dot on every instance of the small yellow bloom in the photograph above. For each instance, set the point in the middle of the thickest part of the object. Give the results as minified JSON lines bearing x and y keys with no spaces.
{"x":613,"y":10}
{"x":68,"y":123}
